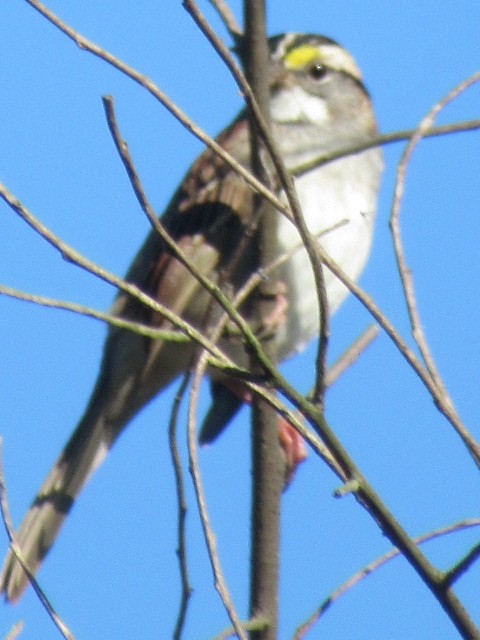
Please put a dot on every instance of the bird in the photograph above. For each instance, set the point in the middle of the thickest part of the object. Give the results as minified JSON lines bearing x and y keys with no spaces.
{"x":318,"y":105}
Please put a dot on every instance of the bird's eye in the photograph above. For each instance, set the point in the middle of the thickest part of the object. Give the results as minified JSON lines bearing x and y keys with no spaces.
{"x":317,"y":71}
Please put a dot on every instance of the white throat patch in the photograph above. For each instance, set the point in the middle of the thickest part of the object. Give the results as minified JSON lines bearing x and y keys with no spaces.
{"x":294,"y":105}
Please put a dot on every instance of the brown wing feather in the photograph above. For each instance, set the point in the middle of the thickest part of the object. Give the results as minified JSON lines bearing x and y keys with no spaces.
{"x":207,"y":226}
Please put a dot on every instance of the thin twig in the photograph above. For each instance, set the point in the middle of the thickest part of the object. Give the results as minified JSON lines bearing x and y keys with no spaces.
{"x":409,"y":355}
{"x":208,"y":285}
{"x":254,"y":624}
{"x":286,"y":182}
{"x":5,"y":513}
{"x":115,"y":321}
{"x":256,"y":278}
{"x":462,"y":567}
{"x":15,"y":631}
{"x":379,"y":511}
{"x":228,"y":18}
{"x":404,"y":270}
{"x":441,"y":396}
{"x":381,"y":140}
{"x":209,"y":535}
{"x":182,"y":508}
{"x":373,"y":566}
{"x":229,"y":308}
{"x":366,"y":300}
{"x":352,"y":354}
{"x":144,"y":81}
{"x":75,"y":257}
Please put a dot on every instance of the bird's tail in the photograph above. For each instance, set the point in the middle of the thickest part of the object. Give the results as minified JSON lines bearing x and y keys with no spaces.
{"x":82,"y":455}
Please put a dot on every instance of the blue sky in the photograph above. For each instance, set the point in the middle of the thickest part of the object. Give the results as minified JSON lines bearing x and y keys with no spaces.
{"x":113,"y":571}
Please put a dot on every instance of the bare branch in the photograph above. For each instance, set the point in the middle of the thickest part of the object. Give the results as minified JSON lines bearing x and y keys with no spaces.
{"x":15,"y":631}
{"x":404,"y":270}
{"x":373,"y":566}
{"x":352,"y":354}
{"x":285,"y":180}
{"x":268,"y":462}
{"x":182,"y":508}
{"x":115,"y":321}
{"x":463,"y":566}
{"x":7,"y":521}
{"x":210,"y":539}
{"x":228,"y":18}
{"x":254,"y":624}
{"x":441,"y":396}
{"x":144,"y":81}
{"x":384,"y":139}
{"x":408,"y":354}
{"x":77,"y":258}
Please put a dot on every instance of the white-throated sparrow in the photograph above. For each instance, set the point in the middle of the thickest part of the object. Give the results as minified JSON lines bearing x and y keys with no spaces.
{"x":318,"y":104}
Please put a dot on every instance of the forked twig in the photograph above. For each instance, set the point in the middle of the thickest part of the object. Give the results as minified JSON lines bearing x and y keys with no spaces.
{"x":253,"y":624}
{"x":370,"y":568}
{"x":463,"y":566}
{"x":75,"y":257}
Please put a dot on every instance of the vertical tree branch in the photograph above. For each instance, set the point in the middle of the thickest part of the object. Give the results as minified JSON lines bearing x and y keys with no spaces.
{"x":182,"y":509}
{"x":267,"y":460}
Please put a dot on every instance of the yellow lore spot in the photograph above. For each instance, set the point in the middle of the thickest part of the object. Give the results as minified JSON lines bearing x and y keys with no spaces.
{"x":301,"y":57}
{"x":330,"y":55}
